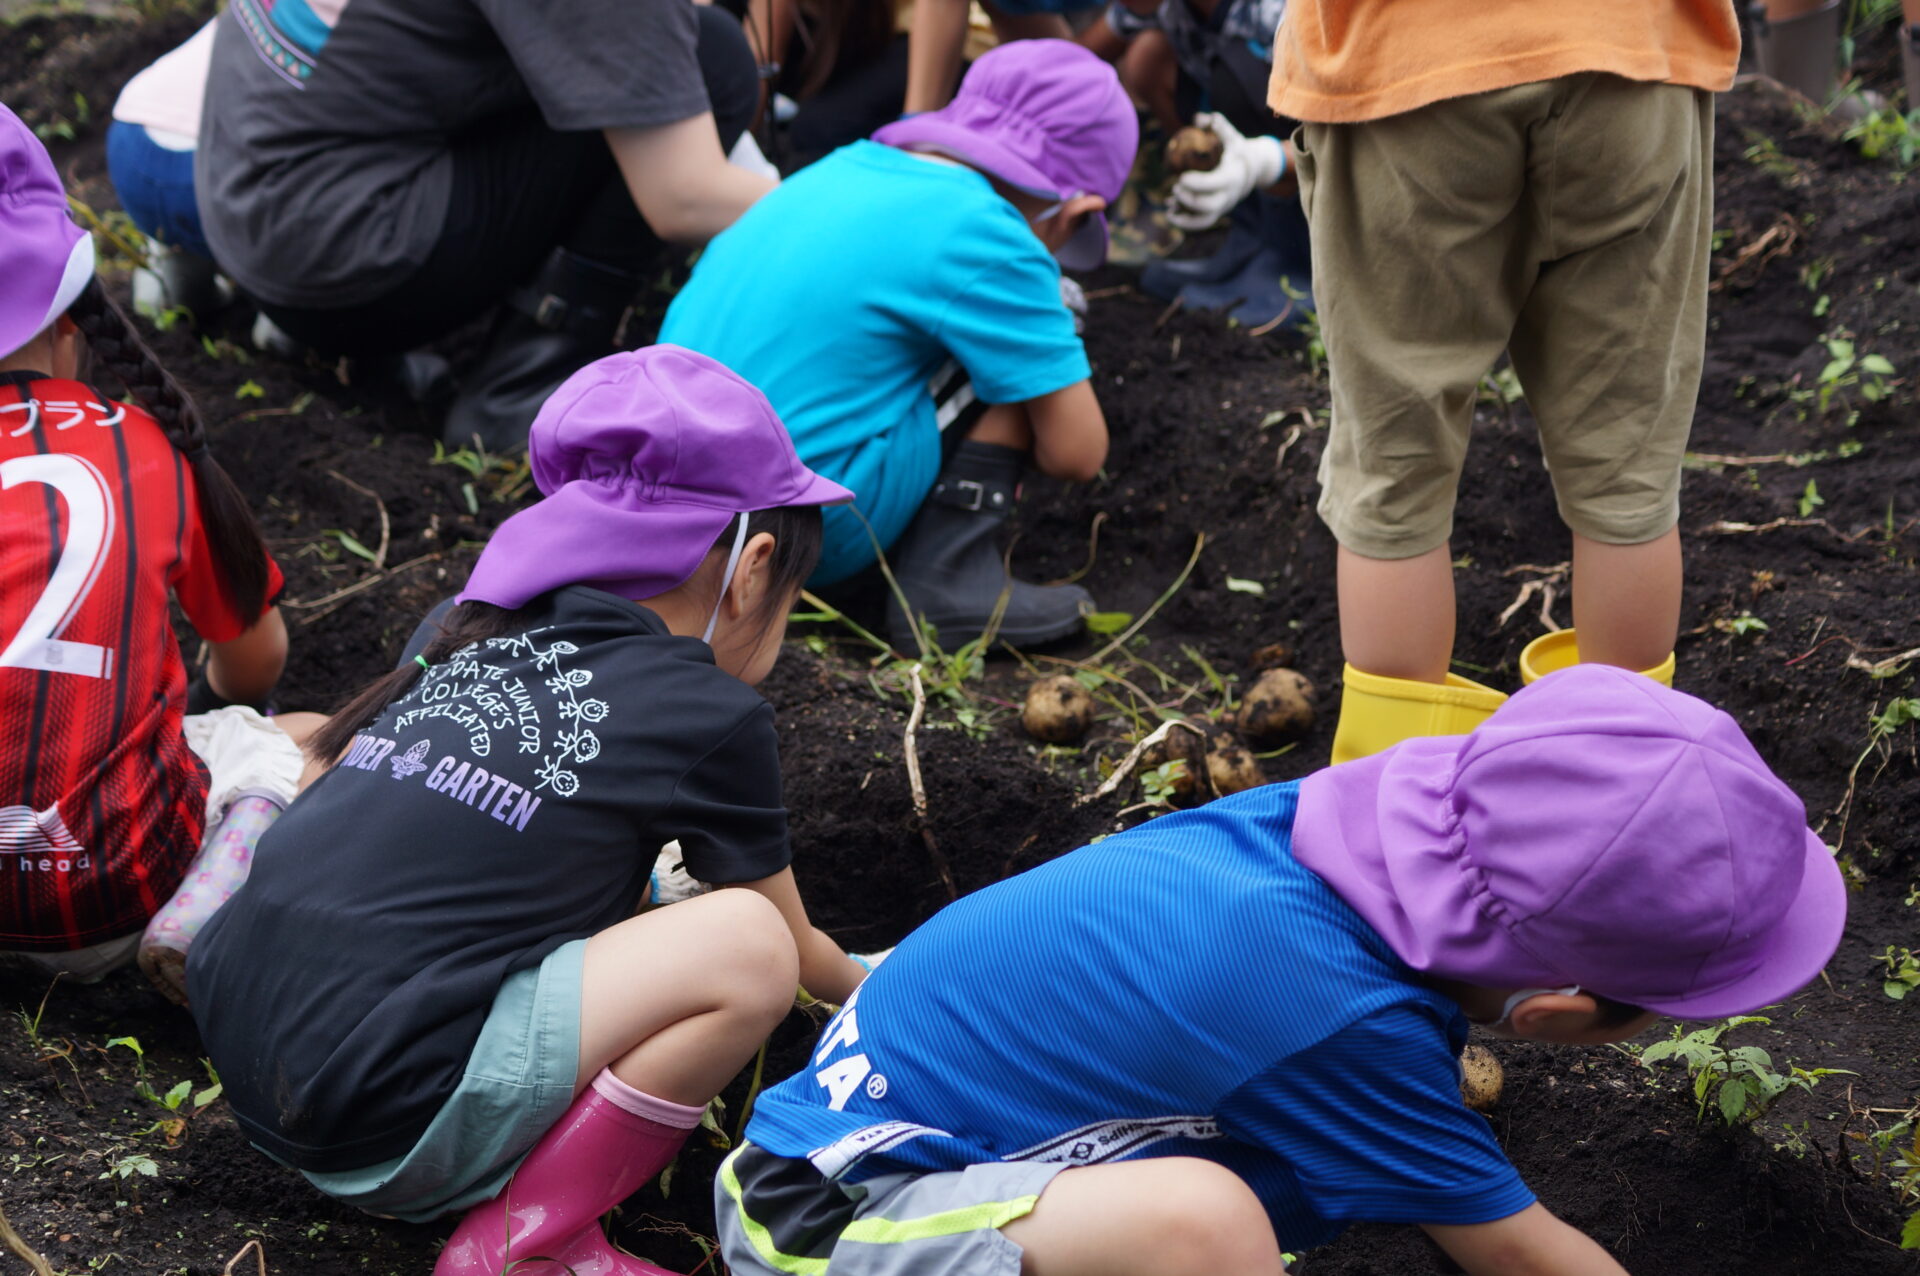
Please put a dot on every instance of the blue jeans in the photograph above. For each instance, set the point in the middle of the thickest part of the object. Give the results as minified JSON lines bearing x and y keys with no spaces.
{"x":155,"y":187}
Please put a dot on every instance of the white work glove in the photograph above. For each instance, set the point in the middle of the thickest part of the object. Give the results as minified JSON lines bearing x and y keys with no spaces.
{"x":1074,"y":298}
{"x":671,"y":881}
{"x":1246,"y":165}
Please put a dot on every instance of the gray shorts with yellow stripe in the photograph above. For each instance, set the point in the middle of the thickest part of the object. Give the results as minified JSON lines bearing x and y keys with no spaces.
{"x":779,"y":1216}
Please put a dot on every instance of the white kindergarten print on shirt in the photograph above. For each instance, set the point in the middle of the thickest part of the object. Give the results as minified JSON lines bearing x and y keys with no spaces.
{"x":503,"y":715}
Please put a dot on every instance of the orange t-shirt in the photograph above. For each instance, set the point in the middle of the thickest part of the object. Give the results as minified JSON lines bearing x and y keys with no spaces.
{"x":1342,"y":61}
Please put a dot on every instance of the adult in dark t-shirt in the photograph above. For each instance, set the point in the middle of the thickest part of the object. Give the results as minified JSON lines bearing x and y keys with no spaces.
{"x":378,"y":172}
{"x":433,"y":981}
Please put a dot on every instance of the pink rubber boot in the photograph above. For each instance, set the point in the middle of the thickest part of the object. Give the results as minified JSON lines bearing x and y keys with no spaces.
{"x":613,"y":1139}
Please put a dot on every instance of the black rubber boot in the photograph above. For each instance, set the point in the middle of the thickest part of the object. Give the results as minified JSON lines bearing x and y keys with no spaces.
{"x":568,"y":315}
{"x":948,"y":561}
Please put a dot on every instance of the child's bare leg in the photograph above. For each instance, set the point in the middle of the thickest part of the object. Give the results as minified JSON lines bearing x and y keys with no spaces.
{"x":1149,"y":70}
{"x":1171,"y":1216}
{"x":1397,"y":614}
{"x":1626,"y":600}
{"x":676,"y":1000}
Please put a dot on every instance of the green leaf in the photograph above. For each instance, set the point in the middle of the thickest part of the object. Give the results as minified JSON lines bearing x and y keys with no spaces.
{"x":1733,"y":1101}
{"x":1107,"y":623}
{"x":177,"y":1096}
{"x":131,"y":1043}
{"x":1876,"y":363}
{"x":1241,"y":586}
{"x":351,"y":544}
{"x":250,"y":389}
{"x":208,"y":1095}
{"x":1910,"y":1232}
{"x":1895,"y":989}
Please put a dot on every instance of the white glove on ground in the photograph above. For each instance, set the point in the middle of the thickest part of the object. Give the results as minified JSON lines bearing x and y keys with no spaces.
{"x":870,"y":960}
{"x":1246,"y":165}
{"x":671,"y":881}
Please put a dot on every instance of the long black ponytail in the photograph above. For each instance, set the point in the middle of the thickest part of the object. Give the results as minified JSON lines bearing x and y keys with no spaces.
{"x":239,"y":554}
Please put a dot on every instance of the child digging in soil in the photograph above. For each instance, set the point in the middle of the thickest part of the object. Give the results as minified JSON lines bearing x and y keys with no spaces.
{"x":129,"y":802}
{"x":900,"y":304}
{"x":1484,"y":177}
{"x":434,"y":995}
{"x":1233,"y":1031}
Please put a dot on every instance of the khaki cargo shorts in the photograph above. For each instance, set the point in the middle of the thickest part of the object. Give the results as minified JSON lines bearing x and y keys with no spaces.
{"x":1568,"y":222}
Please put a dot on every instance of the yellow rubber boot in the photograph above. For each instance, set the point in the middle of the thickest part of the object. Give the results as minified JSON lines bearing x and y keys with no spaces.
{"x":1377,"y":713}
{"x":1550,"y":653}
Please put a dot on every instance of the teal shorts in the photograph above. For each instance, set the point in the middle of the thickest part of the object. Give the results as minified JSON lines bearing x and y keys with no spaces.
{"x":518,"y":1084}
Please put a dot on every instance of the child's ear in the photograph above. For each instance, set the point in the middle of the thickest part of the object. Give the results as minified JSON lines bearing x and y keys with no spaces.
{"x":1081,"y":206}
{"x":67,"y":349}
{"x":753,"y":576}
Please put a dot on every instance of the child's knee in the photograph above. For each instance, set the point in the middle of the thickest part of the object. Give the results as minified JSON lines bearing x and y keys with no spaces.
{"x":758,"y":966}
{"x":1210,"y":1212}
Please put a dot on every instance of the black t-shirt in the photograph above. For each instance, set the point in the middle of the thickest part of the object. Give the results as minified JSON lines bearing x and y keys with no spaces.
{"x":512,"y":801}
{"x":327,"y":137}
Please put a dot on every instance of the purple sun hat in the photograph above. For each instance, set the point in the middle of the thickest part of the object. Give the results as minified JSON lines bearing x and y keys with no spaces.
{"x":44,"y":257}
{"x":1046,"y":116}
{"x":644,"y":459}
{"x":1599,"y":830}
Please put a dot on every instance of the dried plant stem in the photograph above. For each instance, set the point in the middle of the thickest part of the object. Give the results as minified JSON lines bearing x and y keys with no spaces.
{"x":21,"y":1248}
{"x":1132,"y":760}
{"x":386,"y":529}
{"x":919,"y":789}
{"x":1199,"y":543}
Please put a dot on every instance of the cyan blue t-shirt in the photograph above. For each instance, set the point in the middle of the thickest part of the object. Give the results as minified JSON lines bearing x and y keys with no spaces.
{"x":1182,"y":989}
{"x":840,"y":295}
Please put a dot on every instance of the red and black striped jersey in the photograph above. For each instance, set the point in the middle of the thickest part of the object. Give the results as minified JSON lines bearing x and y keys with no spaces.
{"x":102,"y":805}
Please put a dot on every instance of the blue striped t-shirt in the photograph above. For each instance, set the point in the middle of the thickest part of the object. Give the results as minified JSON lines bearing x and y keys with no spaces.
{"x":1182,"y":989}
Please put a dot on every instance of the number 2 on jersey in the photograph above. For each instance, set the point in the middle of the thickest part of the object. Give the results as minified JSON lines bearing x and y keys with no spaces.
{"x":89,"y":528}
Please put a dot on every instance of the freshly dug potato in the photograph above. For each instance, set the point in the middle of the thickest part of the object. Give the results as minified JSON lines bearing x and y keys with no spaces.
{"x":1231,"y":768}
{"x":1190,"y":748}
{"x":1480,"y":1078}
{"x":1279,"y":707}
{"x":1194,"y":150}
{"x":1275,"y":655}
{"x":1058,"y":710}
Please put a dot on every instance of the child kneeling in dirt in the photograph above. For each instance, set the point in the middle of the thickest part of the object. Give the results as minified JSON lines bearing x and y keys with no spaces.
{"x":433,"y":994}
{"x":1233,"y":1031}
{"x":900,"y":304}
{"x":129,"y":801}
{"x":1536,"y":179}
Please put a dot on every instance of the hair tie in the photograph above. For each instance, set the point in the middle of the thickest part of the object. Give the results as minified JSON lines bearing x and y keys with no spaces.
{"x":422,"y":662}
{"x":199,"y":452}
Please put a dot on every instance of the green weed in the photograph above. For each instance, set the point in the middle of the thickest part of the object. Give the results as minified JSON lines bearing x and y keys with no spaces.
{"x":1903,"y":972}
{"x":1739,"y":1080}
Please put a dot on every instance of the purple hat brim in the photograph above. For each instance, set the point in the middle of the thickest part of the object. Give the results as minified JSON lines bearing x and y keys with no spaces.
{"x":1087,"y":250}
{"x":1799,"y":946}
{"x":543,"y":547}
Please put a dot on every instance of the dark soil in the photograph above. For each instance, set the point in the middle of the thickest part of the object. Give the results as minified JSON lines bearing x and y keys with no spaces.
{"x":1216,"y":433}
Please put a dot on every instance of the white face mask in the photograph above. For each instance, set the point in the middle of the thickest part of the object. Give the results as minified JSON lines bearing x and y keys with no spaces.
{"x":726,"y":578}
{"x":1506,"y":1011}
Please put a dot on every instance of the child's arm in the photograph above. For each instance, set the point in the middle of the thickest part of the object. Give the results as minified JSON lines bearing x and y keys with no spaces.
{"x":1069,"y":432}
{"x":244,"y":669}
{"x":680,"y":179}
{"x":825,"y":970}
{"x":934,"y":45}
{"x":1530,"y":1243}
